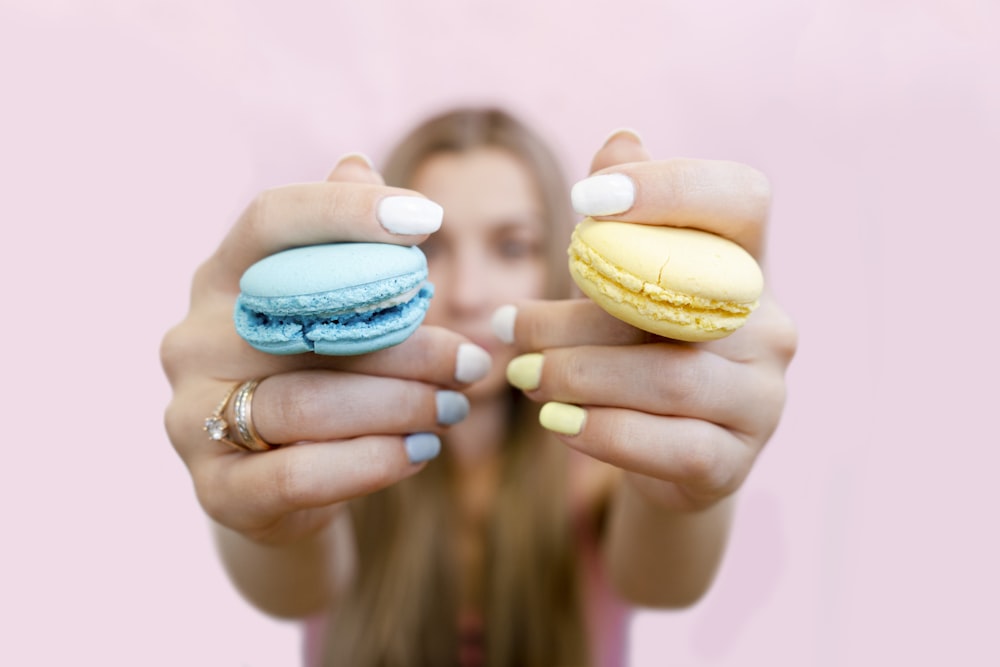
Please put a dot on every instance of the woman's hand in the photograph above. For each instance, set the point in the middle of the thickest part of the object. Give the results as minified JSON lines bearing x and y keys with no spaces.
{"x":342,"y":422}
{"x":685,"y":421}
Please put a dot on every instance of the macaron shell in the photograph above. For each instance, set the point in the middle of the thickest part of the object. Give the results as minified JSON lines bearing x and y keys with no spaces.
{"x":688,"y":261}
{"x":371,"y":343}
{"x":324,"y":269}
{"x":321,"y":298}
{"x":680,"y":283}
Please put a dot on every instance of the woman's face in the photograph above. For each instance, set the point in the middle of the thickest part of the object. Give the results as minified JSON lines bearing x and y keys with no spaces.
{"x":490,"y":250}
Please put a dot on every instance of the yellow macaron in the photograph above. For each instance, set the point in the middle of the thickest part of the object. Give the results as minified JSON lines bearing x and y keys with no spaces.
{"x":680,"y":283}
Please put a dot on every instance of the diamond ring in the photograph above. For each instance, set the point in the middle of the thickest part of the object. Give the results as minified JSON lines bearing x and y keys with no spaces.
{"x":244,"y":436}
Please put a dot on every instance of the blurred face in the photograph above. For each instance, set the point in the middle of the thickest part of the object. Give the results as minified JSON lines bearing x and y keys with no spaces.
{"x":489,"y":252}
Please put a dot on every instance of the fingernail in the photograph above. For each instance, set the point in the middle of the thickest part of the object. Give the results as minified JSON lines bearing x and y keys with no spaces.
{"x":502,"y":323}
{"x":452,"y":407}
{"x":623,"y":132}
{"x":562,"y":418}
{"x":409,"y":215}
{"x":605,"y":194}
{"x":422,"y":447}
{"x":525,"y":372}
{"x":357,"y":157}
{"x":472,"y":363}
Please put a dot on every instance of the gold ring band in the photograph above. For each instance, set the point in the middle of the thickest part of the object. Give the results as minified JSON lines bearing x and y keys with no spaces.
{"x":239,"y":432}
{"x":246,"y":434}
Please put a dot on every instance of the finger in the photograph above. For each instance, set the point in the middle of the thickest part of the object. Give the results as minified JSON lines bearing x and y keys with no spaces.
{"x":725,"y":198}
{"x":272,"y":484}
{"x":705,"y":458}
{"x":624,"y":145}
{"x":432,"y":355}
{"x":539,"y":325}
{"x":314,"y":213}
{"x":326,"y":405}
{"x":659,"y":379}
{"x":355,"y":168}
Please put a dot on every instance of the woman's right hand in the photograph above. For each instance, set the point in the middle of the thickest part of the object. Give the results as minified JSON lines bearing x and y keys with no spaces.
{"x":342,"y":422}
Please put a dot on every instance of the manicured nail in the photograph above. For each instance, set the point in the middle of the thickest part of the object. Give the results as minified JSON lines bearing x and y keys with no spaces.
{"x":452,"y":407}
{"x":357,"y":157}
{"x":562,"y":418}
{"x":422,"y":447}
{"x":622,"y":132}
{"x":502,"y":323}
{"x":605,"y":194}
{"x":472,"y":363}
{"x":410,"y":215}
{"x":525,"y":372}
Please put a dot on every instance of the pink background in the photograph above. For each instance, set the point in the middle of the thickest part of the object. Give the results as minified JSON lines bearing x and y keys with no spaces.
{"x":133,"y":133}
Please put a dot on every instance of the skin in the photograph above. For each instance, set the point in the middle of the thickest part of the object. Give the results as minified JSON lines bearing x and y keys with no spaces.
{"x":671,"y":429}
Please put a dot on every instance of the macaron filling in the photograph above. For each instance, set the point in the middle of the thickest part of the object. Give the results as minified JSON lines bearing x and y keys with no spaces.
{"x":281,"y":327}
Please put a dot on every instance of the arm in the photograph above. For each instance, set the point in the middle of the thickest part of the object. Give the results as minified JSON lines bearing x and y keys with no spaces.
{"x":685,"y":422}
{"x":660,"y":557}
{"x":281,"y":532}
{"x":291,"y":580}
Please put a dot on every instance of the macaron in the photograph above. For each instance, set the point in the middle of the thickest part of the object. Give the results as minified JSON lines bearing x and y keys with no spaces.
{"x":333,"y":299}
{"x":680,"y":283}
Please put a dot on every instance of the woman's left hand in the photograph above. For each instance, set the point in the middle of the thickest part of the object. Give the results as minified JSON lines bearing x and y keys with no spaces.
{"x":685,"y":421}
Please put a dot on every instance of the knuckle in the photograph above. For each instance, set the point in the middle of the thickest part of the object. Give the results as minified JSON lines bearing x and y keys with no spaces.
{"x":704,"y":462}
{"x":566,"y":372}
{"x":786,"y":338}
{"x":279,"y":409}
{"x":289,"y":481}
{"x":258,"y":210}
{"x":379,"y":473}
{"x":701,"y":463}
{"x":531,"y":330}
{"x":175,"y":423}
{"x":758,"y":187}
{"x":210,"y":495}
{"x":174,"y":351}
{"x":682,"y":383}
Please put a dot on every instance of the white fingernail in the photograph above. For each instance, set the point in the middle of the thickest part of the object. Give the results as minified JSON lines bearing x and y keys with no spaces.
{"x":606,"y":194}
{"x":472,"y":363}
{"x":502,"y":323}
{"x":452,"y":407}
{"x":410,"y":215}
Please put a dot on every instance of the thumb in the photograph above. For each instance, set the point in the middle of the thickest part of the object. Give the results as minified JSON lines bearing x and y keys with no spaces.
{"x":623,"y":145}
{"x":355,"y":168}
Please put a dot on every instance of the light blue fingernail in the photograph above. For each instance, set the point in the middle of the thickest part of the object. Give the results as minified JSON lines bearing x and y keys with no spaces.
{"x":452,"y":407}
{"x":422,"y":447}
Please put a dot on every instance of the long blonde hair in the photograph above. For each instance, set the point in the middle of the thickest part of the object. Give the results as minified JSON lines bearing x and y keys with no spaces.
{"x":402,"y":608}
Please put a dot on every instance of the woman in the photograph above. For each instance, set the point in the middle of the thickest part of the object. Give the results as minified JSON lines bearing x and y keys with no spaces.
{"x":511,"y":549}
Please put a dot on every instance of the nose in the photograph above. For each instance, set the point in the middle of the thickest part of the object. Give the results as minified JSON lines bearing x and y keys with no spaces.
{"x":467,"y":284}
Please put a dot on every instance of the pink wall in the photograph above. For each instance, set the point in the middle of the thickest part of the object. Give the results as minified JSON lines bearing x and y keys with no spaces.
{"x":133,"y":132}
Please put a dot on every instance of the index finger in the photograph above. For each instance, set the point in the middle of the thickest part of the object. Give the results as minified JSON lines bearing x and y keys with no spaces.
{"x":315,"y":213}
{"x":726,"y":198}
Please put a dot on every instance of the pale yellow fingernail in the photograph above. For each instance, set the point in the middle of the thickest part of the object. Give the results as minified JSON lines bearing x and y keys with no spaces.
{"x":525,"y":372}
{"x":562,"y":418}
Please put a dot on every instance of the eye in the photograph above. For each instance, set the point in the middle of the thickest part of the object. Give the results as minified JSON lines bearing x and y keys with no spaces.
{"x":519,"y":248}
{"x":518,"y":241}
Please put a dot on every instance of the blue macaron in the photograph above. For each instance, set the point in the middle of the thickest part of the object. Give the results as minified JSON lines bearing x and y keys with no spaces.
{"x":335,"y":299}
